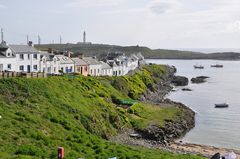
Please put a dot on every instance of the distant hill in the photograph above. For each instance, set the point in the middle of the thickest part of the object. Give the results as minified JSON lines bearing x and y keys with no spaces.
{"x":100,"y":50}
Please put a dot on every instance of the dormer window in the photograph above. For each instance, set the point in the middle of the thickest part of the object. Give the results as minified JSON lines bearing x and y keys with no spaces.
{"x":9,"y":54}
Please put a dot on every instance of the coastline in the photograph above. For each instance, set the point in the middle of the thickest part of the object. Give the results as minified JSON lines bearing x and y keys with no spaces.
{"x":169,"y":142}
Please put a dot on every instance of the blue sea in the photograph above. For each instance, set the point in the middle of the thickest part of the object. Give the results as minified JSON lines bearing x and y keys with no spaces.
{"x":215,"y":127}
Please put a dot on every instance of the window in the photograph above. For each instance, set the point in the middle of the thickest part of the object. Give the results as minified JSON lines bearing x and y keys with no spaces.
{"x":54,"y":69}
{"x":9,"y":66}
{"x":35,"y":56}
{"x":21,"y":56}
{"x":86,"y":68}
{"x":21,"y":68}
{"x":71,"y":69}
{"x":91,"y":71}
{"x":49,"y":69}
{"x":35,"y":67}
{"x":9,"y":54}
{"x":98,"y":71}
{"x":28,"y":56}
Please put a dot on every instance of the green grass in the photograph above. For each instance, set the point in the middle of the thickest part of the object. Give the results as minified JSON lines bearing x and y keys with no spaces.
{"x":143,"y":115}
{"x":39,"y":115}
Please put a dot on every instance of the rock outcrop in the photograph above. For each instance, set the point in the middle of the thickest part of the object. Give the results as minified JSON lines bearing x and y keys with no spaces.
{"x":199,"y":79}
{"x":172,"y":129}
{"x":180,"y":81}
{"x":186,"y":89}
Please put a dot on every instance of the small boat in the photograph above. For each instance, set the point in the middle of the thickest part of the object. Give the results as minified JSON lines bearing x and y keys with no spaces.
{"x":198,"y":67}
{"x":217,"y":66}
{"x":221,"y":105}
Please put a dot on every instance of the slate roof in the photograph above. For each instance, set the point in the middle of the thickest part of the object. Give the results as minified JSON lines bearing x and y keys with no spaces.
{"x":105,"y":65}
{"x":79,"y":62}
{"x":23,"y":49}
{"x":64,"y":59}
{"x":91,"y":61}
{"x":48,"y":55}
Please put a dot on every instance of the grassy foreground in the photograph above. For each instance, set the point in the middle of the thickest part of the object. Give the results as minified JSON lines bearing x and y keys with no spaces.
{"x":39,"y":115}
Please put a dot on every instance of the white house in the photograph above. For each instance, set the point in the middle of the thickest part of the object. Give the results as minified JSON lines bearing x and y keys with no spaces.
{"x":106,"y":69}
{"x":27,"y":58}
{"x":66,"y":64}
{"x":132,"y":62}
{"x":49,"y":63}
{"x":7,"y":58}
{"x":94,"y":66}
{"x":19,"y":58}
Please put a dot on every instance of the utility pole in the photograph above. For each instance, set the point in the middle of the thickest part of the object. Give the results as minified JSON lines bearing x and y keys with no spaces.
{"x":60,"y":39}
{"x":39,"y":40}
{"x":2,"y":36}
{"x":84,"y":37}
{"x":27,"y":39}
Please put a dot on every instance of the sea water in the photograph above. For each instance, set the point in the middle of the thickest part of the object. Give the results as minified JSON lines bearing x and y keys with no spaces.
{"x":215,"y":127}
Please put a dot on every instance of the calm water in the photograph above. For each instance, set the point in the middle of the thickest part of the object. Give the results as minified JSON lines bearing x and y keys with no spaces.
{"x":217,"y":127}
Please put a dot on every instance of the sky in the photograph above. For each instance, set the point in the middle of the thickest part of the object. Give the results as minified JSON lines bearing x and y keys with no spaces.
{"x":154,"y":23}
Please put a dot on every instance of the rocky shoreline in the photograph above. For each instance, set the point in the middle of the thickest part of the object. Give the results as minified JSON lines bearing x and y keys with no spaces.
{"x":172,"y":129}
{"x":154,"y":135}
{"x":165,"y":138}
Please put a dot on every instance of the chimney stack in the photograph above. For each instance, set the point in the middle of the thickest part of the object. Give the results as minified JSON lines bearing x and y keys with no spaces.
{"x":30,"y":43}
{"x":80,"y":56}
{"x":69,"y":54}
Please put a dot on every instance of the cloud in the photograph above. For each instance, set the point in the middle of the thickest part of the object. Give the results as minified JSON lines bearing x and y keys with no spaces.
{"x":125,"y":11}
{"x":2,"y":6}
{"x":92,"y":3}
{"x":234,"y":26}
{"x":165,"y":6}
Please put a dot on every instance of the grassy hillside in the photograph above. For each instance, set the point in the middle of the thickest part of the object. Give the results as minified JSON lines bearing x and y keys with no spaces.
{"x":39,"y":115}
{"x":100,"y":50}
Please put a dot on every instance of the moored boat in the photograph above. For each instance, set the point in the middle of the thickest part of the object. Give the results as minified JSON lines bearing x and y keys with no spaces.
{"x":198,"y":67}
{"x":217,"y":65}
{"x":221,"y":105}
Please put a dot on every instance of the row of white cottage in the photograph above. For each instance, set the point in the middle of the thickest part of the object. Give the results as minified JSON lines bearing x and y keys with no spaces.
{"x":25,"y":58}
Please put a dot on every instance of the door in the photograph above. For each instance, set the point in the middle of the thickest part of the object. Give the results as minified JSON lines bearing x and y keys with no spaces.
{"x":28,"y":68}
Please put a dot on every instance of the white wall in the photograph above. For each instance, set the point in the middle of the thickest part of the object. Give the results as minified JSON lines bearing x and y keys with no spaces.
{"x":64,"y":67}
{"x":5,"y":62}
{"x":51,"y":67}
{"x":107,"y":72}
{"x":95,"y":70}
{"x":28,"y":62}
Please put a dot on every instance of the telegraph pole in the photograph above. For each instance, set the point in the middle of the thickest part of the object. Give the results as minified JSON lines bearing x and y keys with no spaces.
{"x":60,"y":39}
{"x":27,"y":39}
{"x":84,"y":37}
{"x":39,"y":40}
{"x":2,"y":36}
